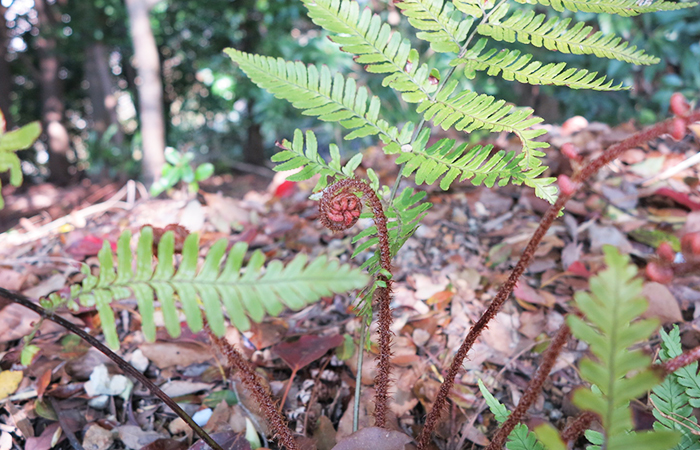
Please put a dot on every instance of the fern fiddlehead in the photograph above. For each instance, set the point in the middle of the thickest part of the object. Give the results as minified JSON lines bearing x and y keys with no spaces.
{"x":340,"y":208}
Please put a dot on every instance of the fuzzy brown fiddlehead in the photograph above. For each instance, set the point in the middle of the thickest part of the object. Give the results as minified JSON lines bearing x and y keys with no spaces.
{"x":340,"y":208}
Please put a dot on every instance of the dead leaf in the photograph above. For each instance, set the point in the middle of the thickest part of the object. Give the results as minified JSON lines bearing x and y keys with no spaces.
{"x":97,"y":438}
{"x":226,"y":439}
{"x":51,"y":284}
{"x":135,"y":438}
{"x":9,"y":381}
{"x":374,"y":438}
{"x":307,"y":349}
{"x":43,"y":442}
{"x":165,"y":444}
{"x":662,"y":303}
{"x":169,"y":354}
{"x":324,"y":434}
{"x":608,"y":235}
{"x":178,"y":388}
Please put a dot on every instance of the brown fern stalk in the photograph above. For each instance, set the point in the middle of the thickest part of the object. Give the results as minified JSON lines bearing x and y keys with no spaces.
{"x":340,"y":208}
{"x":680,"y":361}
{"x":253,"y":383}
{"x":568,"y":188}
{"x":533,"y":389}
{"x":578,"y":426}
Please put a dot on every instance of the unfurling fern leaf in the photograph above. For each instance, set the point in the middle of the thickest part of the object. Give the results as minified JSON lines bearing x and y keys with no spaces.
{"x":554,"y":34}
{"x":518,"y":439}
{"x":623,"y":8}
{"x":513,"y":65}
{"x":439,"y":23}
{"x":619,"y":375}
{"x":244,"y":292}
{"x":670,"y":399}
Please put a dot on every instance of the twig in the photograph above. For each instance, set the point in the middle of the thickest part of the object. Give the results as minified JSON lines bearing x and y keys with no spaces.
{"x":314,"y":393}
{"x":358,"y":378}
{"x":123,"y":365}
{"x":64,"y":426}
{"x":693,"y":430}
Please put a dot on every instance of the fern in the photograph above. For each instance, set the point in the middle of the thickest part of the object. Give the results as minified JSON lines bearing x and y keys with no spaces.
{"x":618,"y":373}
{"x":247,"y":293}
{"x":316,"y":92}
{"x":10,"y":143}
{"x":513,"y":65}
{"x":379,"y":48}
{"x":439,"y":23}
{"x":623,"y":8}
{"x":518,"y":439}
{"x":671,"y":402}
{"x":470,"y":111}
{"x":553,"y":34}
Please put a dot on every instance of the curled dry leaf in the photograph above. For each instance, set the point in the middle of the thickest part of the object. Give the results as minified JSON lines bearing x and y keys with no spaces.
{"x":374,"y":438}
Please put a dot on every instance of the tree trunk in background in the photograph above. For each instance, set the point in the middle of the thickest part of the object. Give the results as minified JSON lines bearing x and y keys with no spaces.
{"x":102,"y":98}
{"x":150,"y":89}
{"x":5,"y":74}
{"x":253,"y":151}
{"x":52,"y":98}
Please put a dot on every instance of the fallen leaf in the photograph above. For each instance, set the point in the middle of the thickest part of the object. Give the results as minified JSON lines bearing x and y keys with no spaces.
{"x":307,"y":349}
{"x":44,"y":441}
{"x":97,"y":438}
{"x":49,"y":285}
{"x":226,"y":439}
{"x":324,"y":434}
{"x":178,"y":388}
{"x":169,"y":354}
{"x":9,"y":382}
{"x":165,"y":444}
{"x":662,"y":303}
{"x":374,"y":438}
{"x":135,"y":438}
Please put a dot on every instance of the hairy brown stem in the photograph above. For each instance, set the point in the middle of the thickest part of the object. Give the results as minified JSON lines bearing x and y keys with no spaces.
{"x":340,"y":208}
{"x":680,"y":361}
{"x":123,"y":365}
{"x":252,"y":382}
{"x":578,"y":426}
{"x":577,"y":180}
{"x":533,"y":389}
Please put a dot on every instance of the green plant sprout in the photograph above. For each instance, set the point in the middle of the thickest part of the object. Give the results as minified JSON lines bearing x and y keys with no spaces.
{"x":10,"y":143}
{"x":178,"y":168}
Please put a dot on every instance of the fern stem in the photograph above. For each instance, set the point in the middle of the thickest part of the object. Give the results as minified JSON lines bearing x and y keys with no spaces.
{"x":578,"y":178}
{"x":680,"y":361}
{"x":123,"y":365}
{"x":358,"y":377}
{"x":252,"y":382}
{"x":533,"y":389}
{"x":576,"y":428}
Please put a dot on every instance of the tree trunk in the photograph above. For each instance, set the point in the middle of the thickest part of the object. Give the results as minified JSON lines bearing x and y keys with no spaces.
{"x":52,"y":98}
{"x":102,"y":98}
{"x":254,"y":151}
{"x":150,"y":89}
{"x":5,"y":74}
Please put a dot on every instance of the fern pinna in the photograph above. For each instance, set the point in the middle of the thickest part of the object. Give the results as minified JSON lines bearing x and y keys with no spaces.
{"x":244,"y":292}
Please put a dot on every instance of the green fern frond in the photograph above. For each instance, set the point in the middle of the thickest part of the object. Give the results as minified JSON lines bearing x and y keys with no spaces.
{"x":513,"y":65}
{"x":376,"y":45}
{"x":294,"y":155}
{"x":470,"y":111}
{"x":554,"y":34}
{"x":518,"y":439}
{"x":623,"y":8}
{"x":610,"y":327}
{"x":474,"y":8}
{"x":439,"y":23}
{"x":331,"y":98}
{"x":671,"y":403}
{"x":244,"y":292}
{"x":10,"y":143}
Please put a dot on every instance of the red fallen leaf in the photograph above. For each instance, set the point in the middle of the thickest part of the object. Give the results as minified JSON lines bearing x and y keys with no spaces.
{"x":690,"y":244}
{"x":90,"y":245}
{"x":678,"y":197}
{"x":577,"y":268}
{"x":180,"y":236}
{"x":306,"y":349}
{"x":665,"y":252}
{"x":660,"y":274}
{"x":285,"y":189}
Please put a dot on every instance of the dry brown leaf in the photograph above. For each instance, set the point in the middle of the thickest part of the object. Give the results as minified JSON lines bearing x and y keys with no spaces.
{"x":374,"y":438}
{"x":169,"y":354}
{"x":662,"y":303}
{"x":178,"y":388}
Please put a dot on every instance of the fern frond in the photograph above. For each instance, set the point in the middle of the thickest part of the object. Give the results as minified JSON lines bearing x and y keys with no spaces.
{"x":10,"y":143}
{"x":623,"y":8}
{"x":513,"y":65}
{"x":554,"y":34}
{"x":331,"y":98}
{"x":470,"y":111}
{"x":379,"y":48}
{"x":671,"y":403}
{"x":474,"y":8}
{"x":518,"y":439}
{"x":620,"y":374}
{"x":439,"y":23}
{"x":245,"y":293}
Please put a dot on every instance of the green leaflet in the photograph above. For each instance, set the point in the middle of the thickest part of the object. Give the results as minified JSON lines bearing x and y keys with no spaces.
{"x":10,"y":143}
{"x":624,"y":8}
{"x":518,"y":439}
{"x":244,"y":292}
{"x":673,"y":406}
{"x":619,"y":374}
{"x":439,"y":23}
{"x":377,"y":46}
{"x":513,"y":65}
{"x":331,"y":98}
{"x":555,"y":35}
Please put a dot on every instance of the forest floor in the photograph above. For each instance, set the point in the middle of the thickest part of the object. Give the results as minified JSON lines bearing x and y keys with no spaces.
{"x":445,"y":276}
